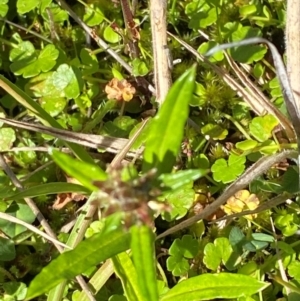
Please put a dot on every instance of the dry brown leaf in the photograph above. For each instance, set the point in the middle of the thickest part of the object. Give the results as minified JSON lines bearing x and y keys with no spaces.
{"x":62,"y":199}
{"x":119,"y":90}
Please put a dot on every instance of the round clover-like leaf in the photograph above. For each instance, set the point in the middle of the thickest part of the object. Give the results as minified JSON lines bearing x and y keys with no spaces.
{"x":14,"y":290}
{"x":227,"y":171}
{"x":93,"y":15}
{"x":3,"y":8}
{"x":25,"y":6}
{"x":177,"y":265}
{"x":25,"y":158}
{"x":7,"y":138}
{"x":206,"y":46}
{"x":28,"y":62}
{"x":247,"y":54}
{"x":110,"y":35}
{"x":23,"y":51}
{"x":261,"y":127}
{"x":294,"y":270}
{"x":139,"y":68}
{"x":181,"y":201}
{"x":217,"y":252}
{"x":67,"y":80}
{"x":53,"y":105}
{"x":201,"y":15}
{"x":47,"y":58}
{"x":187,"y":247}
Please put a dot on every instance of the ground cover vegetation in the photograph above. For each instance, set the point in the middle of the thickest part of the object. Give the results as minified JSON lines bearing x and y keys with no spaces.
{"x":106,"y":194}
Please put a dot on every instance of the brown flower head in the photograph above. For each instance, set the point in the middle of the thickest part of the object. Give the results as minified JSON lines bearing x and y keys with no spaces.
{"x":119,"y":90}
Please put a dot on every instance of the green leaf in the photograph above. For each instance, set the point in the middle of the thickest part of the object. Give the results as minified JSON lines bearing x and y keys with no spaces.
{"x":258,"y":241}
{"x":120,"y":127}
{"x":174,"y":181}
{"x":227,"y":171}
{"x":67,"y":80}
{"x":85,"y":173}
{"x":178,"y":265}
{"x":93,"y":15}
{"x":290,"y":181}
{"x":20,"y":211}
{"x":110,"y":35}
{"x":3,"y":8}
{"x":261,"y":127}
{"x":294,"y":270}
{"x":7,"y":138}
{"x":255,"y":245}
{"x":27,"y":62}
{"x":212,"y":286}
{"x":47,"y":58}
{"x":7,"y":249}
{"x":246,"y":54}
{"x":214,"y":131}
{"x":206,"y":46}
{"x":15,"y":290}
{"x":181,"y":201}
{"x":25,"y":6}
{"x":117,"y":298}
{"x":187,"y":246}
{"x":247,"y":10}
{"x":139,"y":68}
{"x":237,"y":239}
{"x":45,"y":118}
{"x":263,"y":237}
{"x":88,"y":253}
{"x":167,"y":128}
{"x":217,"y":253}
{"x":45,"y":4}
{"x":90,"y":62}
{"x":126,"y":271}
{"x":246,"y":145}
{"x":143,"y":253}
{"x":53,"y":105}
{"x":287,"y":223}
{"x":202,"y":15}
{"x":48,"y":188}
{"x":26,"y":158}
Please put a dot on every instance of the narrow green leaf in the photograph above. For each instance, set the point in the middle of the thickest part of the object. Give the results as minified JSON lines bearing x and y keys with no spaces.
{"x":126,"y":271}
{"x":88,"y":253}
{"x":84,"y":172}
{"x":142,"y":246}
{"x":212,"y":286}
{"x":167,"y":128}
{"x":49,"y":188}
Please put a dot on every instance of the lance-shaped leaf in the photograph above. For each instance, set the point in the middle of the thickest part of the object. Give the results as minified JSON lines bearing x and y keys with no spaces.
{"x":167,"y":128}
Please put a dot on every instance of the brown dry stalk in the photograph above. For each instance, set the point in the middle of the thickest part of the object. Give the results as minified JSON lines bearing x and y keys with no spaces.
{"x":293,"y":47}
{"x":110,"y":144}
{"x":162,"y":75}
